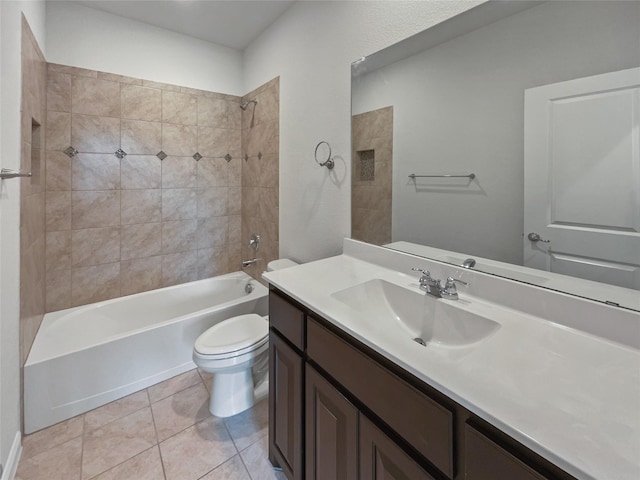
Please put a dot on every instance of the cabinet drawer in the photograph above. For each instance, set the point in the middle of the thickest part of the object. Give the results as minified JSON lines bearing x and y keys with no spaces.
{"x":485,"y":460}
{"x":423,"y":423}
{"x":287,"y":319}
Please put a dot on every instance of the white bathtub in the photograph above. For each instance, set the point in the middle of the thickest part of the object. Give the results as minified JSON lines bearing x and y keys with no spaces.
{"x":87,"y":356}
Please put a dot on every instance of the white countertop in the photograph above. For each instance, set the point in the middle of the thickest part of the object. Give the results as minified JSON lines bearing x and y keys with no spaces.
{"x":570,"y":396}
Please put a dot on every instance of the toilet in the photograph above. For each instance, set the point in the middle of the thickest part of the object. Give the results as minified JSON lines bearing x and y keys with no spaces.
{"x":236,"y":353}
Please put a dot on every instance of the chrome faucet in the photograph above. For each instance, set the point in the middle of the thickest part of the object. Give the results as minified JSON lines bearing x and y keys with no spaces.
{"x":434,"y":287}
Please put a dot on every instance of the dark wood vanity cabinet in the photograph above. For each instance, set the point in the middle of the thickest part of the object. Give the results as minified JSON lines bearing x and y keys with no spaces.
{"x":341,"y":411}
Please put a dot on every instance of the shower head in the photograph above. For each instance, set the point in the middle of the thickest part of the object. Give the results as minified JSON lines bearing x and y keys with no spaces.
{"x":244,"y":105}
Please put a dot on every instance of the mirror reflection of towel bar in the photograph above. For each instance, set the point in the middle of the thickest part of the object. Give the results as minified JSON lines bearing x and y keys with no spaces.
{"x":471,"y":176}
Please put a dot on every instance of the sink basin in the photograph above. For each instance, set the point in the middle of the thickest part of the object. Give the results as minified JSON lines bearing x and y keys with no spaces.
{"x":390,"y":309}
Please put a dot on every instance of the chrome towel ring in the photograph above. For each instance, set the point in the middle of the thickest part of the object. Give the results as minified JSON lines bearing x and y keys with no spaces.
{"x":329,"y":163}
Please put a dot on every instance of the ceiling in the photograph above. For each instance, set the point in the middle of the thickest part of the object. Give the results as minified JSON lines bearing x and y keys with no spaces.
{"x":232,"y":23}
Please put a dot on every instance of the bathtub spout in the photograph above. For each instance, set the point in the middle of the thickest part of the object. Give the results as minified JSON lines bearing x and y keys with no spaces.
{"x":246,"y":263}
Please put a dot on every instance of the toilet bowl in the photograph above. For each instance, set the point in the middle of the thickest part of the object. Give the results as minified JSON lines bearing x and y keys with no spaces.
{"x":236,"y":353}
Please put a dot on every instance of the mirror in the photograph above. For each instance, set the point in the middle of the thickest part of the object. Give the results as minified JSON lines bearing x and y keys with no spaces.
{"x":515,"y":118}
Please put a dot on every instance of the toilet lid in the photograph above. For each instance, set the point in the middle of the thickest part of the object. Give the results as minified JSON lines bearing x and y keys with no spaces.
{"x":232,"y":335}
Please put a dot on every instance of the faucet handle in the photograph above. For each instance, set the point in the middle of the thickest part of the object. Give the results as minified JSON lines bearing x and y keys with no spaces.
{"x":425,"y":278}
{"x":450,"y":291}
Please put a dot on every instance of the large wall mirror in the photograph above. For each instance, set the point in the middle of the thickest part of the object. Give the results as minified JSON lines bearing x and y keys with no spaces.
{"x":509,"y":134}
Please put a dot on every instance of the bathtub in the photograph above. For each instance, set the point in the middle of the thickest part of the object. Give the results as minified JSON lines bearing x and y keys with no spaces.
{"x":87,"y":356}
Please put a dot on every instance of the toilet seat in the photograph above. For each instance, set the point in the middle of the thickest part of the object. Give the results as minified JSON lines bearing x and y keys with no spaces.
{"x":233,"y":337}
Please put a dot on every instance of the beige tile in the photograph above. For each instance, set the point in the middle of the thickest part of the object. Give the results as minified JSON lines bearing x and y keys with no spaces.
{"x":58,"y":136}
{"x":212,"y":262}
{"x":116,"y":442}
{"x":95,"y":246}
{"x":217,"y":112}
{"x":144,"y":466}
{"x":268,"y":106}
{"x":179,"y":235}
{"x":179,"y":108}
{"x":140,"y":275}
{"x":140,"y":137}
{"x":235,"y":201}
{"x":58,"y":290}
{"x":159,"y":85}
{"x":59,"y":92}
{"x":94,"y":284}
{"x":251,"y":172}
{"x":32,"y":216}
{"x":95,"y":134}
{"x":213,"y":202}
{"x":179,"y":268}
{"x":180,"y":140}
{"x":206,"y":445}
{"x":58,"y":463}
{"x":141,"y":171}
{"x":50,"y":437}
{"x":262,"y":138}
{"x":91,"y":96}
{"x":178,"y":204}
{"x":58,"y":250}
{"x":213,"y":172}
{"x":256,"y":460}
{"x":249,"y":426}
{"x":173,"y":385}
{"x":268,"y":198}
{"x":58,"y":211}
{"x":179,"y":172}
{"x":181,"y":410}
{"x":81,"y":72}
{"x":232,"y":469}
{"x":113,"y":411}
{"x":235,"y":229}
{"x":58,"y":171}
{"x":212,"y":232}
{"x":112,"y":77}
{"x":141,"y":240}
{"x":141,"y":206}
{"x":218,"y":142}
{"x":235,"y":172}
{"x":95,"y":171}
{"x":141,"y":103}
{"x":268,"y":171}
{"x":91,"y":209}
{"x":251,"y":201}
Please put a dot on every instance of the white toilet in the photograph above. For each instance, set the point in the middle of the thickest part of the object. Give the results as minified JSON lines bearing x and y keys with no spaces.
{"x":236,"y":352}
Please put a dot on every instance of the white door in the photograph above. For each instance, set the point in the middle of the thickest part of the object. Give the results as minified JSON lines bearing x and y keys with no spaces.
{"x":582,"y":178}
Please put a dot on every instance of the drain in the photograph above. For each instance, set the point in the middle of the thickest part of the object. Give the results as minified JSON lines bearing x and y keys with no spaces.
{"x":420,"y":341}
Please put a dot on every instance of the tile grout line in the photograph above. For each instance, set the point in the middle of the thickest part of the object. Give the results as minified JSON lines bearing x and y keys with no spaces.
{"x":157,"y":445}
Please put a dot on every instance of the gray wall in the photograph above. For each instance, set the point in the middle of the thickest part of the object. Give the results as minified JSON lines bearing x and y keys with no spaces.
{"x":459,"y":107}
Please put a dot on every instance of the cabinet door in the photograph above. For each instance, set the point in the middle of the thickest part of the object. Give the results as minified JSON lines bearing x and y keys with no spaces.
{"x":285,"y":407}
{"x":331,"y":431}
{"x":381,"y":458}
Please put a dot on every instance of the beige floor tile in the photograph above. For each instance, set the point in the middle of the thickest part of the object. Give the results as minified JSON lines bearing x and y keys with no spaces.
{"x":116,"y":442}
{"x":145,"y":466}
{"x":115,"y":410}
{"x":207,"y":378}
{"x":232,"y":469}
{"x":179,"y":411}
{"x":50,"y":437}
{"x":197,"y":450}
{"x":58,"y":463}
{"x":250,"y":426}
{"x":173,"y":385}
{"x":256,"y":460}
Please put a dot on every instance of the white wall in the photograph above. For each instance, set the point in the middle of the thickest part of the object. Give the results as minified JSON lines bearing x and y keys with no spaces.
{"x":10,"y":88}
{"x":459,"y":108}
{"x":89,"y":38}
{"x":311,"y":48}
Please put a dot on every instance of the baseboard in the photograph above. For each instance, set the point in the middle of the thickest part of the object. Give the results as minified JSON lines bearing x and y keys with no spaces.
{"x":10,"y":468}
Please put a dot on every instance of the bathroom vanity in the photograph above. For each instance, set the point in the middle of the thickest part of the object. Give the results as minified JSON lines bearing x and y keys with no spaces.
{"x":520,"y":397}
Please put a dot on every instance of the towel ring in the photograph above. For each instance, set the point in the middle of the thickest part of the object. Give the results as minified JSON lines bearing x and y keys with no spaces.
{"x":329,"y":163}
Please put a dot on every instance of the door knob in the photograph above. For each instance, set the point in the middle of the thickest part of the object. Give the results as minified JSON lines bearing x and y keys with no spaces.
{"x":534,"y":237}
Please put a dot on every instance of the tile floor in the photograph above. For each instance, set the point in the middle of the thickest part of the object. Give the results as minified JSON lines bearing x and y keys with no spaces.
{"x":164,"y":432}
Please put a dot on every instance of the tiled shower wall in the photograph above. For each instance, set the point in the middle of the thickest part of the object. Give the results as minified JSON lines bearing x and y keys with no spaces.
{"x":260,"y":153}
{"x":117,"y":226}
{"x":32,"y":192}
{"x":371,"y":177}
